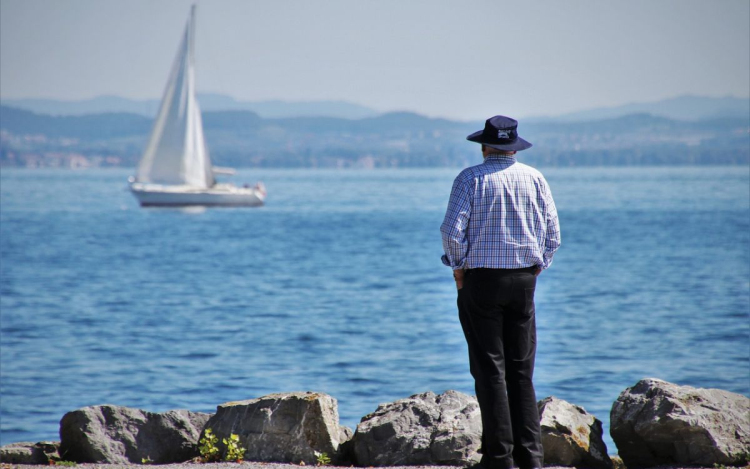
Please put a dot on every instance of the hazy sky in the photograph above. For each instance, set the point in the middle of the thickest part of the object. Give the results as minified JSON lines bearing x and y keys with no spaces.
{"x":456,"y":59}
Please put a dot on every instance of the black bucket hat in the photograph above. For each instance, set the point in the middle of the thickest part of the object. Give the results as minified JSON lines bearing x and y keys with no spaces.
{"x":500,"y":133}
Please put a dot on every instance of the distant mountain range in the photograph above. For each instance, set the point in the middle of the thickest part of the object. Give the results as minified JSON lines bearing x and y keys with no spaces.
{"x":688,"y":108}
{"x":208,"y":102}
{"x":243,"y":138}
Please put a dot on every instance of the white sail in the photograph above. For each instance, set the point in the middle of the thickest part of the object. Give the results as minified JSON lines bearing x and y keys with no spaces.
{"x":176,"y":153}
{"x":175,"y":169}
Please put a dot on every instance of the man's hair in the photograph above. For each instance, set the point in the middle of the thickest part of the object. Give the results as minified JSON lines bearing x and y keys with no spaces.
{"x":499,"y":152}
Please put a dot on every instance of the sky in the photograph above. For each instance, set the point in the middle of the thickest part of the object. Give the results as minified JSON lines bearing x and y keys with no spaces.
{"x":464,"y":60}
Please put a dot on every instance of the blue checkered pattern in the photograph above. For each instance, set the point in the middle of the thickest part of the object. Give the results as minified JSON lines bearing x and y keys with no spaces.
{"x":500,"y":216}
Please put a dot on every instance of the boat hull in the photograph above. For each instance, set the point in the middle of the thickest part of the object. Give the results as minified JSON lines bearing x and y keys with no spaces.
{"x":154,"y":195}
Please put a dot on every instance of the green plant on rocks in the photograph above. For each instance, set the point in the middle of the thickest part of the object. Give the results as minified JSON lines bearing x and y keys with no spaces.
{"x":58,"y":462}
{"x":209,"y":451}
{"x":235,"y":452}
{"x":323,"y":459}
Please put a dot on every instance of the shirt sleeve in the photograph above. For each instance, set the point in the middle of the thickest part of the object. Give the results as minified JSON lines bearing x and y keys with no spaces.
{"x":552,"y":240}
{"x":453,"y":229}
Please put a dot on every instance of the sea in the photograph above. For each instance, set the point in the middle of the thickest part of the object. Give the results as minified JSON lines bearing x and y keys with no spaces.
{"x":336,"y":286}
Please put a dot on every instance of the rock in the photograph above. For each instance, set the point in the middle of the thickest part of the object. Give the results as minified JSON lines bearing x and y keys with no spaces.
{"x":121,"y":435}
{"x":288,"y":427}
{"x":571,"y":436}
{"x":345,"y":434}
{"x":30,"y":453}
{"x":660,"y":423}
{"x":617,"y":462}
{"x":426,"y":428}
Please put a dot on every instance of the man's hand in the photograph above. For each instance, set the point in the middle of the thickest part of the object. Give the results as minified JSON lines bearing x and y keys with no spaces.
{"x":538,"y":271}
{"x":458,"y":276}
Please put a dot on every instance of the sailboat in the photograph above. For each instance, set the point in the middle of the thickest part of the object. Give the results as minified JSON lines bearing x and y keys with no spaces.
{"x":175,"y":169}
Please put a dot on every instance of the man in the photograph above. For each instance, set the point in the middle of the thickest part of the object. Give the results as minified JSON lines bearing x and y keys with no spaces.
{"x":500,"y":232}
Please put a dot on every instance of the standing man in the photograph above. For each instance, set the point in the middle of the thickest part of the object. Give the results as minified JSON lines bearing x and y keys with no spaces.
{"x":500,"y":232}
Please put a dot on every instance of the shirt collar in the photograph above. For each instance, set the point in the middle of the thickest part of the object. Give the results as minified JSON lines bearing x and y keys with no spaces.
{"x":501,"y":158}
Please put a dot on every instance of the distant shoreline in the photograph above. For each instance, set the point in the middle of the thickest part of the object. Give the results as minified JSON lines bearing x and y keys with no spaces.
{"x":83,"y":169}
{"x":399,"y":139}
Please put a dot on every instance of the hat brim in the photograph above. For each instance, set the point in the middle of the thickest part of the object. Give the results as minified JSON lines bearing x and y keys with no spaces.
{"x":518,"y":145}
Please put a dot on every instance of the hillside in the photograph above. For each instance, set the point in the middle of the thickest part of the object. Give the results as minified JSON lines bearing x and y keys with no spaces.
{"x":243,"y":138}
{"x":208,"y":101}
{"x":686,"y":108}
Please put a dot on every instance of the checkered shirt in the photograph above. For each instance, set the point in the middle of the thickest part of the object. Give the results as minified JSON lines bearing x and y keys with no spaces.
{"x":500,"y":216}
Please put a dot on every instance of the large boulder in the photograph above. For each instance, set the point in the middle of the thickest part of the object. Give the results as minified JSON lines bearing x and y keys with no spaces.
{"x":287,"y":427}
{"x":422,"y":429}
{"x":122,"y":435}
{"x":571,"y":436}
{"x":660,"y":423}
{"x":30,"y":453}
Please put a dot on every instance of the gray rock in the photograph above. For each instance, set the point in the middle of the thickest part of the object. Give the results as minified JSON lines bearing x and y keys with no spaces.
{"x":426,"y":428}
{"x":660,"y":423}
{"x":287,"y":427}
{"x":121,"y":435}
{"x":571,"y":436}
{"x":30,"y":453}
{"x":345,"y":434}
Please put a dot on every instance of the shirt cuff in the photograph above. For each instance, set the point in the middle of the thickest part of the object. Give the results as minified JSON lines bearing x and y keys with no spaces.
{"x":447,"y":262}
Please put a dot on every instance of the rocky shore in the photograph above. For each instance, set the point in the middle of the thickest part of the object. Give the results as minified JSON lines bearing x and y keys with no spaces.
{"x":242,"y":465}
{"x":653,"y":424}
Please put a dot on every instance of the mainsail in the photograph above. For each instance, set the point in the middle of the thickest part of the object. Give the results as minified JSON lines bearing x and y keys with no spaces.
{"x":176,"y":151}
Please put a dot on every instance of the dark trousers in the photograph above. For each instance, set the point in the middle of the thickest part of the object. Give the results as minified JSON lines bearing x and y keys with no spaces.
{"x":496,"y":309}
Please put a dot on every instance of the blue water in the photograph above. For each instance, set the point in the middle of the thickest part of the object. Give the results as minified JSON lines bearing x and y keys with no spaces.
{"x":336,"y":286}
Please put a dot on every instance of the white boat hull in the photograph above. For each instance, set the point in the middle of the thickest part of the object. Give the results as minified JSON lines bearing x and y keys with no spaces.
{"x":220,"y":195}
